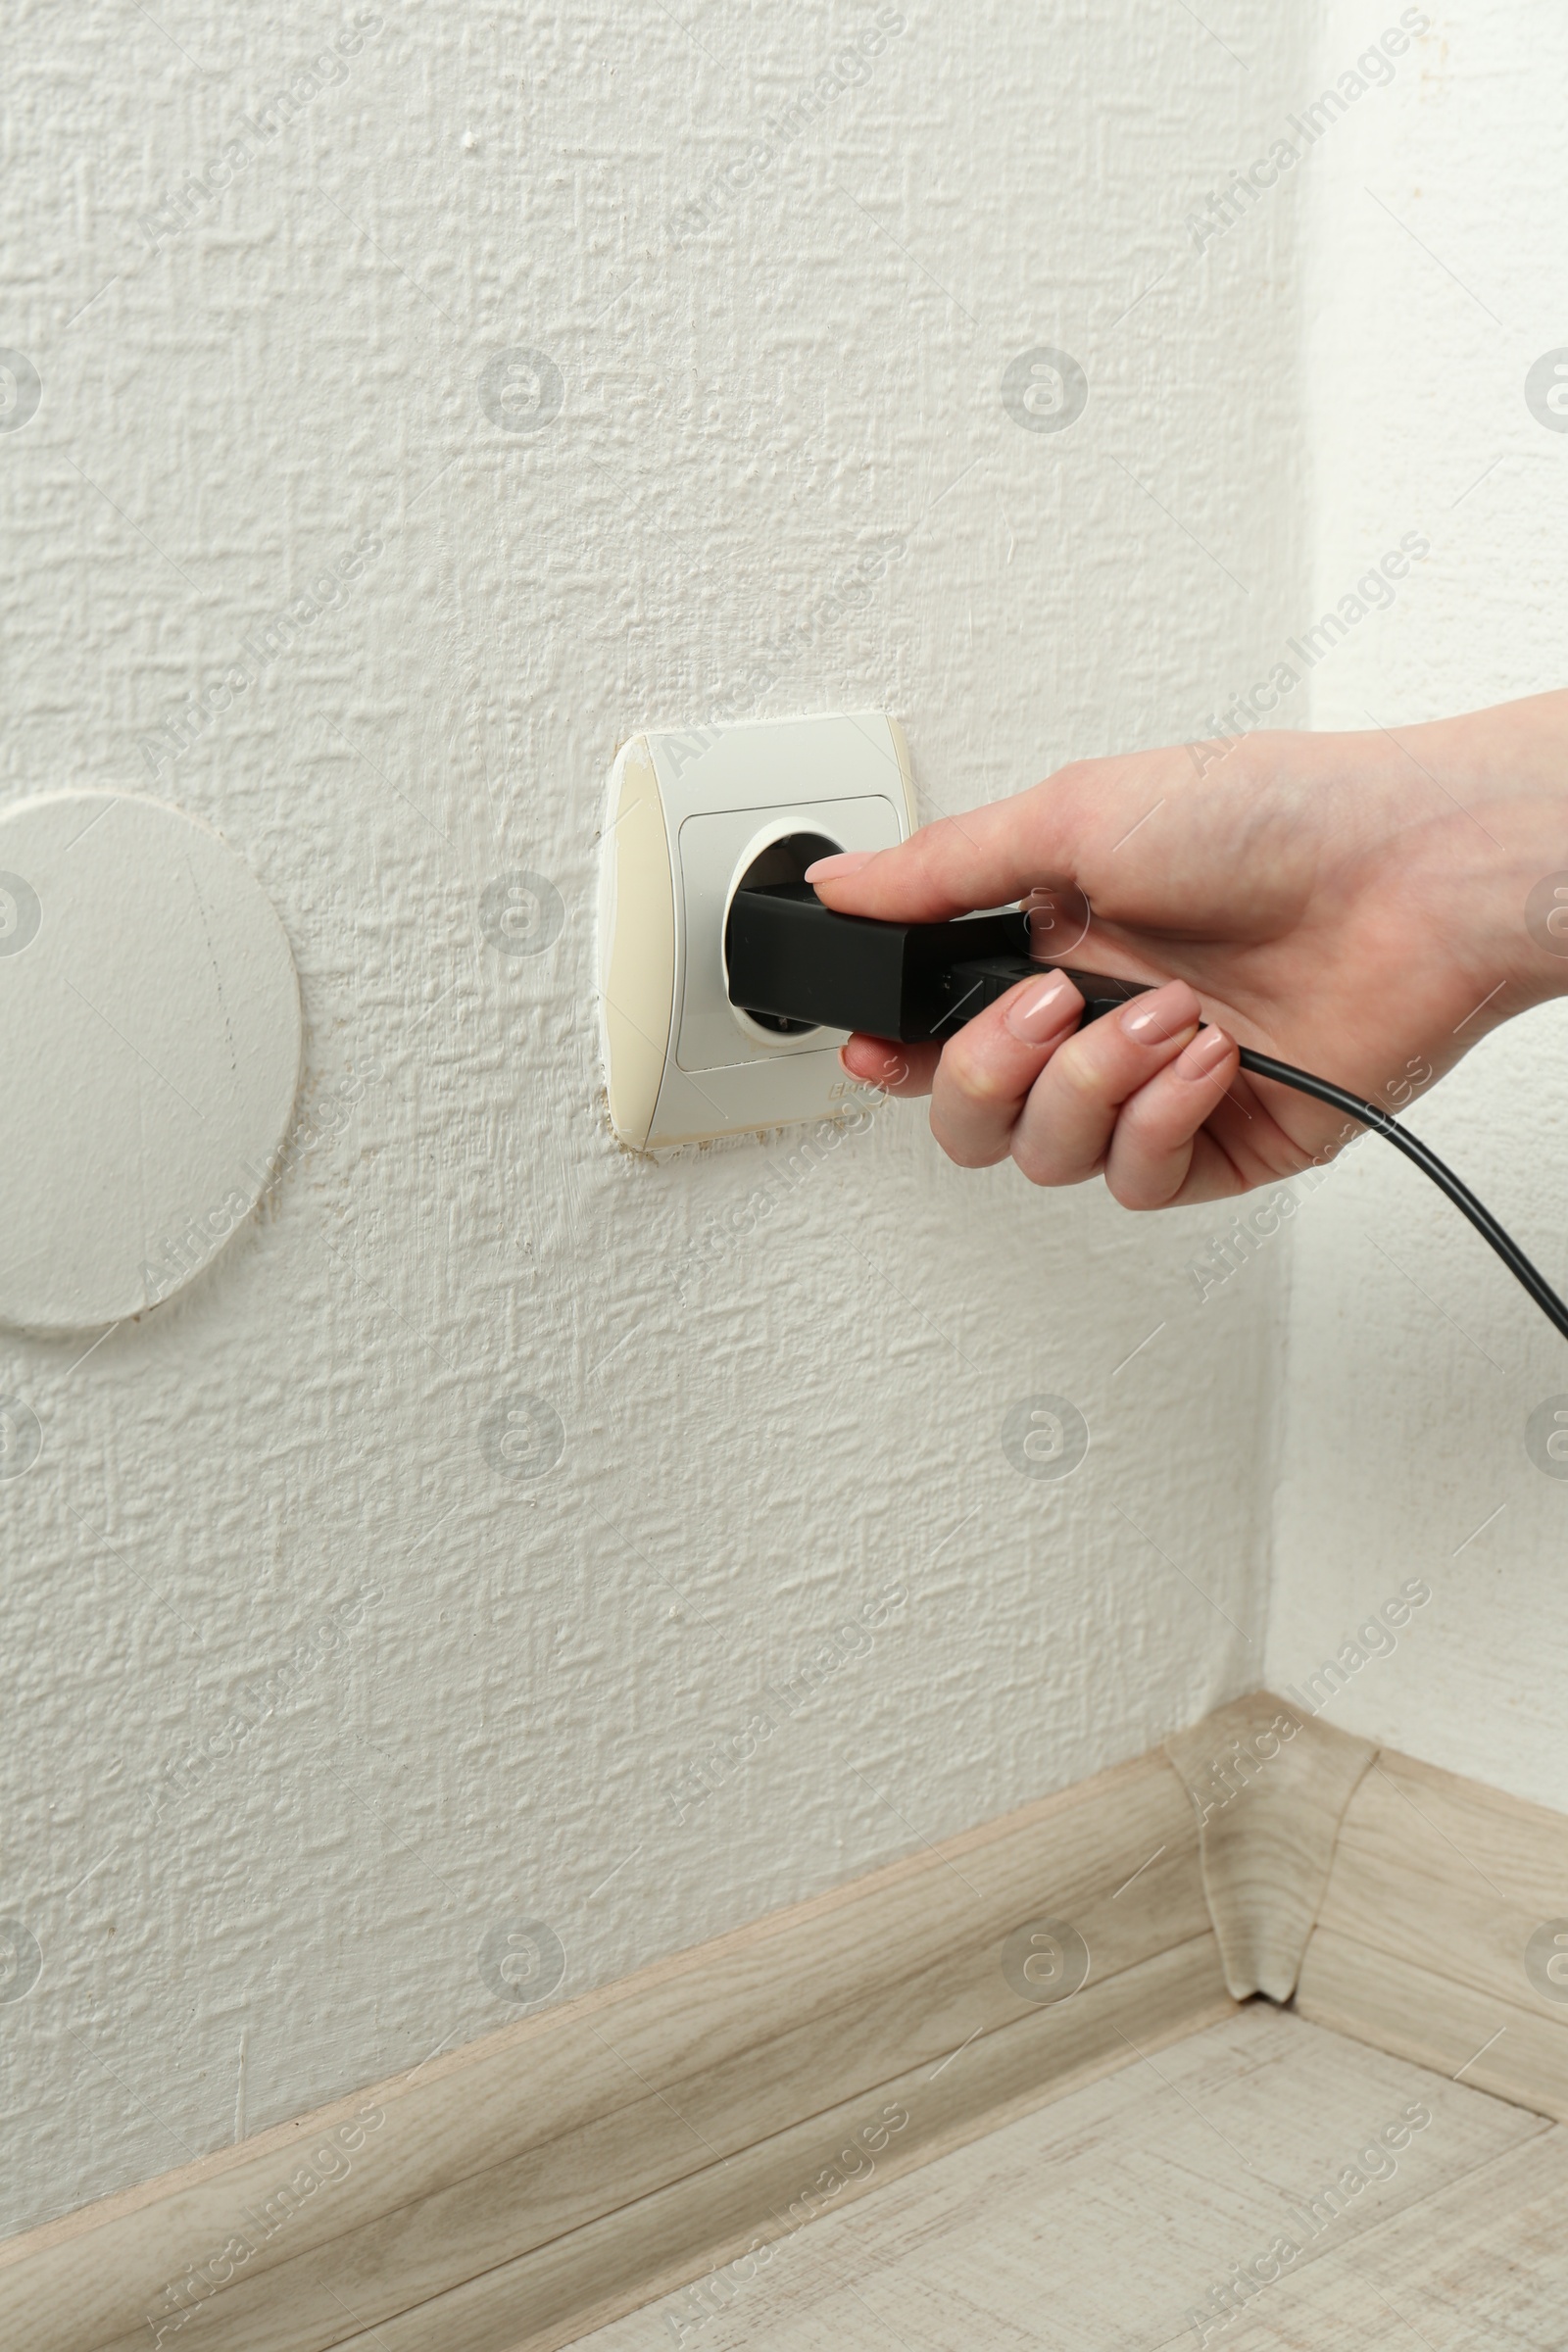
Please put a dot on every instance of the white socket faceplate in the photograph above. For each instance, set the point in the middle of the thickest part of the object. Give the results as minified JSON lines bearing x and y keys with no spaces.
{"x":688,"y":810}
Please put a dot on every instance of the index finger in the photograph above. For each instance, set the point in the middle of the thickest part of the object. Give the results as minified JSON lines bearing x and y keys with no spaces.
{"x":1056,"y":833}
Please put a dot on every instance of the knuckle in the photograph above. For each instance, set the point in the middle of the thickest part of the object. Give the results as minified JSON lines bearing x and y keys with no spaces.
{"x":1082,"y":1078}
{"x":931,"y":848}
{"x":1121,"y":1187}
{"x":1076,"y":775}
{"x":1129,"y":1191}
{"x":965,"y":1151}
{"x":1044,"y":1167}
{"x":981,"y":1084}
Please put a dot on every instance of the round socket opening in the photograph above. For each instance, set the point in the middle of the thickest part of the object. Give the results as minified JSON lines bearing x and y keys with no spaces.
{"x":782,"y":858}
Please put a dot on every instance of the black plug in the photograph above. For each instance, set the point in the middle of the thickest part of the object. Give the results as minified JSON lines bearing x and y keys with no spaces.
{"x":792,"y":958}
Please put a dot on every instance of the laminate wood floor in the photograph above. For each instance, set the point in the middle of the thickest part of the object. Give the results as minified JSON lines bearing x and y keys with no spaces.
{"x":1104,"y":2221}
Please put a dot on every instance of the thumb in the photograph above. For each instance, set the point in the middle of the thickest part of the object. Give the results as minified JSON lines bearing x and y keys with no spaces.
{"x":989,"y":856}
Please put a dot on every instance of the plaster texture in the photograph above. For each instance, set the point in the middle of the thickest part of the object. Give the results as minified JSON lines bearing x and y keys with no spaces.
{"x":1433,"y":287}
{"x":399,"y":1581}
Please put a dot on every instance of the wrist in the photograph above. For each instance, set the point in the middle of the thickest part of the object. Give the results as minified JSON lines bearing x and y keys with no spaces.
{"x":1505,"y":772}
{"x":1526,"y":925}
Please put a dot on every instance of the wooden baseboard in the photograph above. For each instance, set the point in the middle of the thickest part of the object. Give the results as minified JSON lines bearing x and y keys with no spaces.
{"x":1269,"y":1784}
{"x":767,"y":2191}
{"x":511,"y":2193}
{"x":1424,"y":1938}
{"x":514,"y":2194}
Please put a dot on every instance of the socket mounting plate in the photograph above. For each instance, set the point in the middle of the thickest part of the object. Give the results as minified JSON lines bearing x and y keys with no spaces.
{"x":688,"y":810}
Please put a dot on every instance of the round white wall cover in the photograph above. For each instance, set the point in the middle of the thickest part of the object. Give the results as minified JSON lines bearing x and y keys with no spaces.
{"x":149,"y":1053}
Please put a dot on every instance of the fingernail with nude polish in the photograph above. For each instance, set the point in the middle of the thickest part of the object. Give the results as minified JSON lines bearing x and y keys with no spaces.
{"x":1204,"y":1055}
{"x":1151,"y":1023}
{"x":1045,"y":1009}
{"x":839,"y":867}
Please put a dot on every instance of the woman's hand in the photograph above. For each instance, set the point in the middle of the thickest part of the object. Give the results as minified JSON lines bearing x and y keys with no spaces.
{"x":1354,"y":903}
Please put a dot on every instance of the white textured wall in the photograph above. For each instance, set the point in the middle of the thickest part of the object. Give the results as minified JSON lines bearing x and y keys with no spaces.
{"x":1433,"y":281}
{"x":483,"y":1689}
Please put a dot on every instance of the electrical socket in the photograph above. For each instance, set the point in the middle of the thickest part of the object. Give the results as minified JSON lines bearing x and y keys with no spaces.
{"x":691,"y":814}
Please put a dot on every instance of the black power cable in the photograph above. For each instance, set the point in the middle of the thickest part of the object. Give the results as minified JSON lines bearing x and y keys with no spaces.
{"x":1382,"y":1123}
{"x":789,"y":957}
{"x":1102,"y":996}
